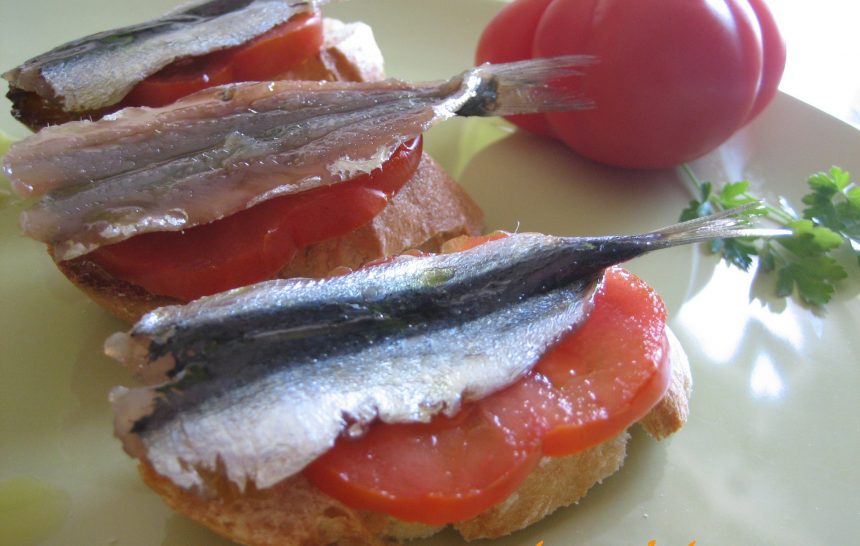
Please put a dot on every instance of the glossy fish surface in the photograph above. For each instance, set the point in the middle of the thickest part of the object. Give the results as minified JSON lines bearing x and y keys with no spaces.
{"x":99,"y":70}
{"x":227,"y":148}
{"x":262,"y":380}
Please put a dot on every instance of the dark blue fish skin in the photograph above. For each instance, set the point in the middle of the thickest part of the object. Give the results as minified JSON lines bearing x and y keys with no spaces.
{"x":118,"y":38}
{"x":263,"y":379}
{"x":96,"y":71}
{"x":400,"y":341}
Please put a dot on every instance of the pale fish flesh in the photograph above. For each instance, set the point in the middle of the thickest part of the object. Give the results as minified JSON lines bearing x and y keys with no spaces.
{"x":262,"y":380}
{"x":227,"y":148}
{"x":99,"y":70}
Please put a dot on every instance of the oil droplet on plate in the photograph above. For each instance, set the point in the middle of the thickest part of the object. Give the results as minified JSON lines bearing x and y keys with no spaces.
{"x":31,"y":510}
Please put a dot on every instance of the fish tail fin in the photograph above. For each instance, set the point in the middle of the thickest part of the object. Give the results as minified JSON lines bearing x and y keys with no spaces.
{"x":525,"y":87}
{"x":722,"y":225}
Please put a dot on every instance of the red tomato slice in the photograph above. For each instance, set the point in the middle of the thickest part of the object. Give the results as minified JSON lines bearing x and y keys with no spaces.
{"x":406,"y":470}
{"x":590,"y":387}
{"x":610,"y":372}
{"x":280,"y":49}
{"x":181,"y":78}
{"x":508,"y":37}
{"x":254,"y":244}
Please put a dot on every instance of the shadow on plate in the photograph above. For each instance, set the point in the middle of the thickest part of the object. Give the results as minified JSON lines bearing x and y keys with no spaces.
{"x":181,"y":531}
{"x":529,"y":183}
{"x":540,"y":185}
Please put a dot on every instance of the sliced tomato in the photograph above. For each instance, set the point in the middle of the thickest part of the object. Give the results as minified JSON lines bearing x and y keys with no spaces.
{"x":610,"y":372}
{"x":254,"y":244}
{"x":406,"y":470}
{"x":591,"y":386}
{"x":280,"y":49}
{"x":181,"y":78}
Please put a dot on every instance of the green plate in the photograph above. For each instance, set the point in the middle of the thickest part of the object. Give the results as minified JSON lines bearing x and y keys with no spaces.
{"x":769,"y":453}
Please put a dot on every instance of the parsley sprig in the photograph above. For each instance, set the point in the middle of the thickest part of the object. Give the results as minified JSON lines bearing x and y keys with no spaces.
{"x":806,"y":262}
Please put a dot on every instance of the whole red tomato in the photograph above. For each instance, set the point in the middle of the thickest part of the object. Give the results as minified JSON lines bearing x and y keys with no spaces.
{"x":509,"y":37}
{"x":675,"y":78}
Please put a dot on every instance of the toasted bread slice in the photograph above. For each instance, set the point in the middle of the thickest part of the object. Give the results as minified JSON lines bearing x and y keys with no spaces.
{"x":296,"y":513}
{"x":349,"y":53}
{"x":429,"y":209}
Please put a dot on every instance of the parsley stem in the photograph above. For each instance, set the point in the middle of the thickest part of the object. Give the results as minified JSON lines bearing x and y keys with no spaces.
{"x":802,"y":262}
{"x":778,"y":215}
{"x":692,"y":180}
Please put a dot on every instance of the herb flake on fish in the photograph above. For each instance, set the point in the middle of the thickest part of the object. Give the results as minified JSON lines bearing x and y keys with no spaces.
{"x":262,"y":380}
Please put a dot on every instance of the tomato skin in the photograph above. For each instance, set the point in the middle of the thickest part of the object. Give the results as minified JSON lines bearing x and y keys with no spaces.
{"x":774,"y":55}
{"x":674,"y":78}
{"x":254,"y":244}
{"x":509,"y":37}
{"x":590,"y":387}
{"x":279,"y":50}
{"x":401,"y":473}
{"x":265,"y":57}
{"x":182,"y":77}
{"x":606,"y":383}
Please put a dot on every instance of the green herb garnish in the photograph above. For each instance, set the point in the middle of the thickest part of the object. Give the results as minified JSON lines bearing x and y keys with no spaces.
{"x":805,"y":262}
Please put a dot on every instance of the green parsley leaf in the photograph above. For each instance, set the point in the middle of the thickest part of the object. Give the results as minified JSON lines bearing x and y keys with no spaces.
{"x":835,"y":203}
{"x":702,"y":206}
{"x":809,"y":239}
{"x":734,"y":194}
{"x":804,"y":261}
{"x":814,"y":277}
{"x":737,"y":252}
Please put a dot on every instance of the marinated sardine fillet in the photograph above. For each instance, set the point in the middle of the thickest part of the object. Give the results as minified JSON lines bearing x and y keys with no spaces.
{"x":99,"y":70}
{"x":260,"y":381}
{"x":227,"y":148}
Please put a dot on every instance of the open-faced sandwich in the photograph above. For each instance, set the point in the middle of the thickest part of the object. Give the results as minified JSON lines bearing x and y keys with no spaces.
{"x":199,"y":45}
{"x":402,"y":200}
{"x":250,"y":181}
{"x":483,"y":387}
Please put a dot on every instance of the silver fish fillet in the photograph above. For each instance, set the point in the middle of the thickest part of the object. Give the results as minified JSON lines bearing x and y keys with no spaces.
{"x":227,"y":148}
{"x":262,"y":380}
{"x":99,"y":70}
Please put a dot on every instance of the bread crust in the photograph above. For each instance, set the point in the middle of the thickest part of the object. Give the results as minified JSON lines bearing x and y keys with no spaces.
{"x":671,"y":412}
{"x":349,"y":53}
{"x":126,"y":301}
{"x":555,"y":483}
{"x":291,"y":513}
{"x":429,"y":209}
{"x":296,"y":513}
